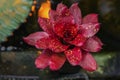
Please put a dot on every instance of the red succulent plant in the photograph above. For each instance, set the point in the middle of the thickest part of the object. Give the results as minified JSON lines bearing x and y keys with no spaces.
{"x":66,"y":35}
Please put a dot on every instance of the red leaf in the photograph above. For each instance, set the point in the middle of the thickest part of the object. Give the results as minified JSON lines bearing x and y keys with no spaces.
{"x":46,"y":25}
{"x":79,"y":40}
{"x":66,"y":20}
{"x":89,"y":30}
{"x":76,"y":12}
{"x":88,"y":62}
{"x":90,"y":18}
{"x":42,"y":61}
{"x":56,"y":46}
{"x":57,"y":61}
{"x":98,"y":40}
{"x":59,"y":29}
{"x":53,"y":16}
{"x":74,"y":56}
{"x":42,"y":43}
{"x":92,"y":45}
{"x":32,"y":38}
{"x":62,"y":10}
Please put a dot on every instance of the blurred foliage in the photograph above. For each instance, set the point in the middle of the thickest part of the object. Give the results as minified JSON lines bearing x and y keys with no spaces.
{"x":109,"y":11}
{"x":22,"y":63}
{"x":12,"y":13}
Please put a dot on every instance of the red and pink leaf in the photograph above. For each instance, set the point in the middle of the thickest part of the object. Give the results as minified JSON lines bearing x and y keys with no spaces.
{"x":56,"y":46}
{"x":42,"y":61}
{"x":62,"y":10}
{"x":90,"y":18}
{"x":34,"y":37}
{"x":67,"y":20}
{"x":78,"y":41}
{"x":98,"y":40}
{"x":76,"y":12}
{"x":57,"y":61}
{"x":74,"y":56}
{"x":89,"y":30}
{"x":92,"y":45}
{"x":88,"y":62}
{"x":53,"y":16}
{"x":46,"y":25}
{"x":42,"y":43}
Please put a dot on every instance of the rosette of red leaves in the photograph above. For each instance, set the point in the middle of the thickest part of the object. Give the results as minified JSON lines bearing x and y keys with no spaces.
{"x":66,"y":35}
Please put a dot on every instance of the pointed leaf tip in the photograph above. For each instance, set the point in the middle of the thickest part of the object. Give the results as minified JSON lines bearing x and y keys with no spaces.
{"x":90,"y":18}
{"x":93,"y":44}
{"x":76,"y":12}
{"x":61,"y":9}
{"x":88,"y":62}
{"x":32,"y":38}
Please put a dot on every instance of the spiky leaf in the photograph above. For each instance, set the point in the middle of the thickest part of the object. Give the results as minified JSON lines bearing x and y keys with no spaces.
{"x":12,"y":13}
